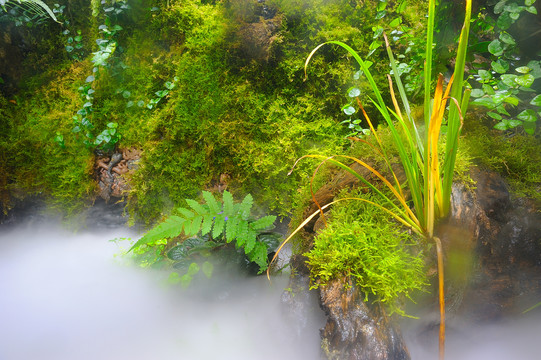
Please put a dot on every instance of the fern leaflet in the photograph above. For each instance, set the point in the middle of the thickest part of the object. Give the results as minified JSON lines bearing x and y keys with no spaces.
{"x":172,"y":227}
{"x":219,"y":223}
{"x":228,"y":204}
{"x":198,"y":208}
{"x":213,"y":205}
{"x":263,"y":223}
{"x":246,"y":206}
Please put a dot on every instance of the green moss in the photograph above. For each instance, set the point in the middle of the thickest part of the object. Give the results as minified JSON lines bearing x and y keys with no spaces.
{"x":362,"y":243}
{"x":515,"y":156}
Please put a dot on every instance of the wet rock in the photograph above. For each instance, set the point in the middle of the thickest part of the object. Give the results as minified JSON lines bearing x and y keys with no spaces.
{"x":497,"y":239}
{"x":355,"y":329}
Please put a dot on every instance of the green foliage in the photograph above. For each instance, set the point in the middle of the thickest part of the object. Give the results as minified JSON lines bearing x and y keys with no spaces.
{"x":32,"y":10}
{"x":224,"y":221}
{"x":505,"y":79}
{"x":362,"y":243}
{"x":516,"y":157}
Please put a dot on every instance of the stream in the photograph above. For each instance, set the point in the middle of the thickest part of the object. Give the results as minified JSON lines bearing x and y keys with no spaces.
{"x":65,"y":295}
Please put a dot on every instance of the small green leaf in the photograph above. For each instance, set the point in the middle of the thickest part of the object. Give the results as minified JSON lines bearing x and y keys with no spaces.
{"x":126,"y":94}
{"x":495,"y":47}
{"x":90,"y":78}
{"x":523,"y":69}
{"x":484,"y":75}
{"x":536,"y":101}
{"x":529,"y":127}
{"x":525,"y":80}
{"x":494,"y":115}
{"x":506,"y":38}
{"x":504,"y":21}
{"x":513,"y":100}
{"x":488,"y":89}
{"x":529,"y":2}
{"x":477,"y":93}
{"x":502,"y":125}
{"x":514,"y":123}
{"x":528,"y":115}
{"x":348,"y":110}
{"x":397,"y":21}
{"x":500,"y":66}
{"x":509,"y":79}
{"x":193,"y":269}
{"x":354,"y":92}
{"x":207,"y":269}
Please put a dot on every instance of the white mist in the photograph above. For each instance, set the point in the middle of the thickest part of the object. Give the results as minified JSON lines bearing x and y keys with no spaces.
{"x":63,"y":296}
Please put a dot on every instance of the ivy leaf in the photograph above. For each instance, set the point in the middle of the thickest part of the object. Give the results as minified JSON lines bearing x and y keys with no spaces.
{"x":506,"y":38}
{"x":348,"y":110}
{"x":509,"y":79}
{"x":354,"y":92}
{"x":527,"y":115}
{"x":536,"y":101}
{"x":525,"y":80}
{"x":494,"y":115}
{"x":495,"y":47}
{"x":504,"y":21}
{"x":500,"y":66}
{"x":477,"y":93}
{"x":502,"y":125}
{"x":523,"y":69}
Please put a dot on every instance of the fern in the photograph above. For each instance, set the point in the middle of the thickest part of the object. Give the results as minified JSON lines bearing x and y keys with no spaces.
{"x":226,"y":220}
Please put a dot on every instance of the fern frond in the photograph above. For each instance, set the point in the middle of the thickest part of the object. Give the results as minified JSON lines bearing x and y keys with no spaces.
{"x":170,"y":228}
{"x":263,"y":223}
{"x":213,"y":205}
{"x":246,"y":206}
{"x":228,"y":203}
{"x":198,"y":208}
{"x":219,"y":224}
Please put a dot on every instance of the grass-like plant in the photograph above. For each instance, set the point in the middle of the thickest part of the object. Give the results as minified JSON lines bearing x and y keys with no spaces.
{"x":429,"y":172}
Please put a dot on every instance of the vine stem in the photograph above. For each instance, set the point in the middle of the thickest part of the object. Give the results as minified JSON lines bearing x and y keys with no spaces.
{"x":439,"y":252}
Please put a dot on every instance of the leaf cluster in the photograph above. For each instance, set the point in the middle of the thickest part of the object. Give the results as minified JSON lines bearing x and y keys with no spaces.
{"x":224,"y":221}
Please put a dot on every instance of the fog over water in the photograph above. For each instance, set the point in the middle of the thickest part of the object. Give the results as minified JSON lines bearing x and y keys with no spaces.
{"x":64,"y":295}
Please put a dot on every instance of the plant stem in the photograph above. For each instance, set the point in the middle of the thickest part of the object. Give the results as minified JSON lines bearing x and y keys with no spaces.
{"x":439,"y":252}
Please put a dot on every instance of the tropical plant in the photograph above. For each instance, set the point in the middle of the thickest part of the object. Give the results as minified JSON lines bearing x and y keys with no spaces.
{"x":428,"y":178}
{"x":505,"y":79}
{"x":35,"y":8}
{"x":214,"y":224}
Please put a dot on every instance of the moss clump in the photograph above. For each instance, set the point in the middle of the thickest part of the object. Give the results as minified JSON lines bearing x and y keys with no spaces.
{"x":361,"y":242}
{"x":515,"y":156}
